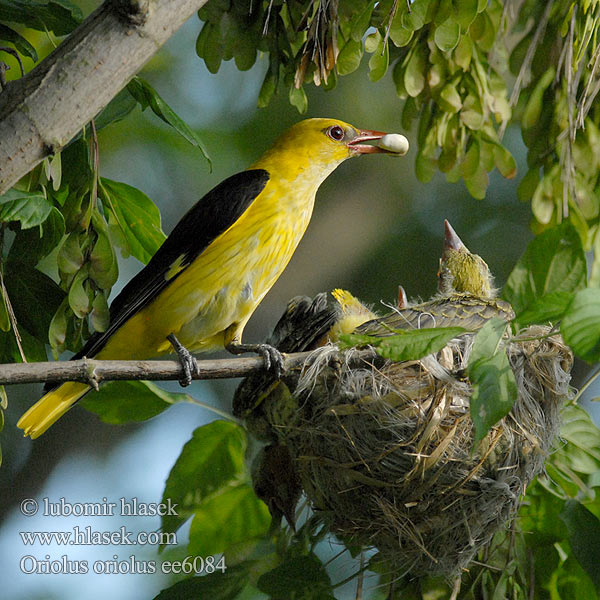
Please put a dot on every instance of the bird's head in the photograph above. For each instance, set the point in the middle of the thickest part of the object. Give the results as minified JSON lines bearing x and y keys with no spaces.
{"x":322,"y":144}
{"x":461,"y":271}
{"x":351,"y":314}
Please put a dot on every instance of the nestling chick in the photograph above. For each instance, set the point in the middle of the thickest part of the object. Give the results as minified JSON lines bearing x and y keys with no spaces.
{"x":466,"y":298}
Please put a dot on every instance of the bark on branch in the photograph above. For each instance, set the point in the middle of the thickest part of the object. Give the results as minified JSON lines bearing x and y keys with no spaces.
{"x":42,"y":111}
{"x":96,"y":371}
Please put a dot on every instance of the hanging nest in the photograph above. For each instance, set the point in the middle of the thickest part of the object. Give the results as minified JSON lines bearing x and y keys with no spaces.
{"x":388,"y":450}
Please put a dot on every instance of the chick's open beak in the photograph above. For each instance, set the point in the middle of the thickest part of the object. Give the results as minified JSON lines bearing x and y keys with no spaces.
{"x":366,"y":135}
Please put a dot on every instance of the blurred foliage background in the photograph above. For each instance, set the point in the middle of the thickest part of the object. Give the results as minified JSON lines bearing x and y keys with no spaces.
{"x":376,"y":224}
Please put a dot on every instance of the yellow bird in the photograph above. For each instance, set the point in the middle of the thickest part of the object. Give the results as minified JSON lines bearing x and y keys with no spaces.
{"x":201,"y":287}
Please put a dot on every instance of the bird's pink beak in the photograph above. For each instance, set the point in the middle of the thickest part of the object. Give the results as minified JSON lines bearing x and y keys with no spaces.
{"x":366,"y":135}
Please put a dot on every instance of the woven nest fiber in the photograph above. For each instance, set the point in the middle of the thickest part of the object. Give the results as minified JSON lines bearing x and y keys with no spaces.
{"x":388,"y":451}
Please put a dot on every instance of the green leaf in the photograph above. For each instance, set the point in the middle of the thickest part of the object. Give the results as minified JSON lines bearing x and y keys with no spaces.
{"x":553,"y":262}
{"x":477,"y":183}
{"x":70,"y":254}
{"x":379,"y":61}
{"x":57,"y":332}
{"x":471,"y":114}
{"x":232,"y":516}
{"x":450,"y":100}
{"x":298,"y":577}
{"x":360,"y":21}
{"x":119,"y":402}
{"x":415,"y":19}
{"x":582,"y":452}
{"x":464,"y":52}
{"x":407,"y":345}
{"x":470,"y":163}
{"x":79,"y":294}
{"x":244,"y":52}
{"x":20,"y":43}
{"x":528,"y":185}
{"x":59,"y":16}
{"x":146,"y":95}
{"x":118,"y":108}
{"x":466,"y":11}
{"x":103,"y":267}
{"x":539,"y":516}
{"x":533,"y":110}
{"x":267,"y":89}
{"x":213,"y":48}
{"x":486,"y":31}
{"x":202,"y":37}
{"x":100,"y":315}
{"x":349,"y":57}
{"x":505,"y":162}
{"x":52,"y":166}
{"x":372,"y":42}
{"x":447,"y":34}
{"x":548,"y":308}
{"x":487,"y":340}
{"x":584,"y":537}
{"x":543,"y":203}
{"x":34,"y":297}
{"x":399,"y":34}
{"x":211,"y":460}
{"x":298,"y":99}
{"x":581,"y":325}
{"x":137,"y":216}
{"x":31,"y":245}
{"x":29,"y":208}
{"x":414,"y":75}
{"x":494,"y":391}
{"x":216,"y":586}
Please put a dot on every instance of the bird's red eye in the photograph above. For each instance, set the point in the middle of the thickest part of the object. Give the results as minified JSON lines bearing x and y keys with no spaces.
{"x":336,"y":133}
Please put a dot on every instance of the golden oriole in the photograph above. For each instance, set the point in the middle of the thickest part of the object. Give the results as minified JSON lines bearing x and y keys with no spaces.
{"x":203,"y":284}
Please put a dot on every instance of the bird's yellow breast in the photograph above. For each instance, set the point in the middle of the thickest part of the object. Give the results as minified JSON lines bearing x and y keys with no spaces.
{"x":225,"y":284}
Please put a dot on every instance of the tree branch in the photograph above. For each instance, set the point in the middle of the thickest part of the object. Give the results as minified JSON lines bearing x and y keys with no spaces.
{"x":42,"y":111}
{"x":96,"y":371}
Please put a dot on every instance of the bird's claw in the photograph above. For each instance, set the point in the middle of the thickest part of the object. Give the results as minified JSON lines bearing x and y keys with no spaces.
{"x":186,"y":360}
{"x":272,"y":358}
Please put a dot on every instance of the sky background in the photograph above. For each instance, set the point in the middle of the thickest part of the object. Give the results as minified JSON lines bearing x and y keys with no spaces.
{"x":374,"y":227}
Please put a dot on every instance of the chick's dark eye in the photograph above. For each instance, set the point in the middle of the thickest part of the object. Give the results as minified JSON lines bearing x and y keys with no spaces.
{"x":336,"y":133}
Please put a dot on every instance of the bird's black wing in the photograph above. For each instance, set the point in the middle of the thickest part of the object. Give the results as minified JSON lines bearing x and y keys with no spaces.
{"x":304,"y":323}
{"x":206,"y":220}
